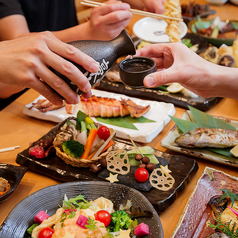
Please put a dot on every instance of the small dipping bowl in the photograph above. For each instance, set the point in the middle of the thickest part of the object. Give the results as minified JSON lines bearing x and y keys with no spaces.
{"x":134,"y":70}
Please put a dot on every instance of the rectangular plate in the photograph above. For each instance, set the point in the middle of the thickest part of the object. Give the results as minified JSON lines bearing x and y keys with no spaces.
{"x":177,"y":99}
{"x":168,"y":142}
{"x":182,"y":170}
{"x":196,"y":213}
{"x":159,"y":112}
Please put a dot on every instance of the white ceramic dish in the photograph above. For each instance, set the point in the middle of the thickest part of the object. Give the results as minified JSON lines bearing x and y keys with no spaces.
{"x":146,"y":132}
{"x":234,"y":2}
{"x":195,"y":216}
{"x":168,"y":142}
{"x":153,"y":30}
{"x":217,"y":2}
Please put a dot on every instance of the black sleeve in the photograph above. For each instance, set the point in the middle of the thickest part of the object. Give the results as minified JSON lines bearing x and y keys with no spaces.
{"x":9,"y":7}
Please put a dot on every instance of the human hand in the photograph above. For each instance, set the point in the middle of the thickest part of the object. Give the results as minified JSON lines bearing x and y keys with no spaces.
{"x":25,"y":62}
{"x":177,"y":63}
{"x":108,"y":20}
{"x":156,"y":6}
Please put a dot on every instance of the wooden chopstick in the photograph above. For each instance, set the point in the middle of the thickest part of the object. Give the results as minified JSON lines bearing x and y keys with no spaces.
{"x":134,"y":11}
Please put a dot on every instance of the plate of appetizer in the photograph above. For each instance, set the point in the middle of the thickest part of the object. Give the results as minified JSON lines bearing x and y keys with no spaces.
{"x":212,"y":208}
{"x":153,"y":30}
{"x":10,"y":177}
{"x":192,"y":10}
{"x":204,"y":136}
{"x":72,"y":151}
{"x":127,"y":116}
{"x":215,"y":31}
{"x":83,"y":209}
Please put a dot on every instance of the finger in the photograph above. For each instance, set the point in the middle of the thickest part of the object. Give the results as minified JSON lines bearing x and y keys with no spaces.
{"x":115,"y":17}
{"x":111,"y":7}
{"x":64,"y":67}
{"x":46,"y":91}
{"x":87,"y":95}
{"x":160,"y":78}
{"x":70,"y":52}
{"x":58,"y":84}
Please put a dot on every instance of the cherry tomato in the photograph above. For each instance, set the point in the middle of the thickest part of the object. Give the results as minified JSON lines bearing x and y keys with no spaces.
{"x":103,"y":132}
{"x":103,"y":216}
{"x":46,"y":233}
{"x":141,"y":175}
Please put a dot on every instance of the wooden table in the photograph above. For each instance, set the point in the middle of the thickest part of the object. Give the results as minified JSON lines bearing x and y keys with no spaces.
{"x":19,"y":129}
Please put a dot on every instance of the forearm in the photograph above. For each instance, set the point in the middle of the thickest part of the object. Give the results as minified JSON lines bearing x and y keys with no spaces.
{"x":225,"y":82}
{"x":79,"y":32}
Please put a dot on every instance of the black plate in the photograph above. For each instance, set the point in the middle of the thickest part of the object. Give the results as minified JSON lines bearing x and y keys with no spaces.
{"x":48,"y":199}
{"x":13,"y":174}
{"x":182,"y":170}
{"x":177,"y":99}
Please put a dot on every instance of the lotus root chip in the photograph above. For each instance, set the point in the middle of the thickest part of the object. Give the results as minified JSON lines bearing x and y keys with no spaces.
{"x":118,"y":162}
{"x":159,"y":180}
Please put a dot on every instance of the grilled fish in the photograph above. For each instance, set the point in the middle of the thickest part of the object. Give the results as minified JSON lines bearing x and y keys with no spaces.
{"x":208,"y":137}
{"x":110,"y":107}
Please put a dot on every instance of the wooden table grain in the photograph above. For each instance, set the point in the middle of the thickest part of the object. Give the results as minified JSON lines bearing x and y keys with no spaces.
{"x":18,"y":129}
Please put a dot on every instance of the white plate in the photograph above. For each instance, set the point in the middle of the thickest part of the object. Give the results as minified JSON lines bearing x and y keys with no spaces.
{"x":153,"y":30}
{"x":217,"y":2}
{"x":202,"y":153}
{"x":234,"y":2}
{"x":146,"y":132}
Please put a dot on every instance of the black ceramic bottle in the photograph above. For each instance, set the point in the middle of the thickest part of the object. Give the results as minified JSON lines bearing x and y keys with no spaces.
{"x":105,"y":53}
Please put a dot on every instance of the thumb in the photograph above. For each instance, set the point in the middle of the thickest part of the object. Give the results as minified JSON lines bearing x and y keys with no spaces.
{"x":159,"y":78}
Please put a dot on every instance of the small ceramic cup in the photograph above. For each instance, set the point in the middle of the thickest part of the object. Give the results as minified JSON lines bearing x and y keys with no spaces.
{"x":133,"y":70}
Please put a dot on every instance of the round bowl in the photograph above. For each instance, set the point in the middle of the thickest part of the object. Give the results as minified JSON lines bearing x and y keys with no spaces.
{"x":214,"y":41}
{"x":13,"y":174}
{"x":133,"y":70}
{"x":49,"y":198}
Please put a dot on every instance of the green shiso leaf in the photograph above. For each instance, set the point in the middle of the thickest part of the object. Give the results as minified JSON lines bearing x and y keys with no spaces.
{"x":80,"y":117}
{"x":184,"y":125}
{"x":204,"y":120}
{"x":222,"y":151}
{"x":125,"y":122}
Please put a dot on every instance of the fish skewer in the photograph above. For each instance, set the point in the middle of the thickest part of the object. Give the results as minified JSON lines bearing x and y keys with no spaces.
{"x":208,"y":137}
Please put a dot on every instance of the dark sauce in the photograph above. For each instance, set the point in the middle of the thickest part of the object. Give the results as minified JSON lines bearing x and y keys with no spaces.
{"x":136,"y":66}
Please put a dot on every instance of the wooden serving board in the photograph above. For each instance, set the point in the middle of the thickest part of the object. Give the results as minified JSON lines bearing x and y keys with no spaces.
{"x":182,"y":169}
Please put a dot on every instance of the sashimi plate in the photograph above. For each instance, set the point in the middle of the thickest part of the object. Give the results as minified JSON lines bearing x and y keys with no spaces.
{"x":197,"y":214}
{"x":168,"y":142}
{"x":144,"y":133}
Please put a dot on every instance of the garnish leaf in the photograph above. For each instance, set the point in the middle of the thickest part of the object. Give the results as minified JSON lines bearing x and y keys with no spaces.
{"x":225,"y":228}
{"x":222,"y":151}
{"x":204,"y":120}
{"x":184,"y":125}
{"x":231,"y":195}
{"x":31,"y":228}
{"x":125,"y":122}
{"x":80,"y":117}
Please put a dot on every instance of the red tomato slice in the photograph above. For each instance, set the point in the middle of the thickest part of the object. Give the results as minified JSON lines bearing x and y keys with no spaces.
{"x":103,"y":216}
{"x":46,"y":233}
{"x":103,"y":132}
{"x":141,"y":175}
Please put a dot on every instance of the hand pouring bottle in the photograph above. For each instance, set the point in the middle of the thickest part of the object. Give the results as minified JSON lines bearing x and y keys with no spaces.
{"x":105,"y":53}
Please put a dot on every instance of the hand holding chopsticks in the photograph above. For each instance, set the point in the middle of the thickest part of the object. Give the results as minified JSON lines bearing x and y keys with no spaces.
{"x":90,"y":3}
